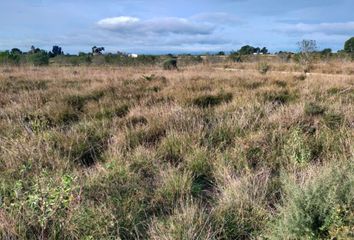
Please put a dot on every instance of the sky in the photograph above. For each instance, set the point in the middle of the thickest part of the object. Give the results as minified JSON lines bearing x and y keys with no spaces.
{"x":178,"y":26}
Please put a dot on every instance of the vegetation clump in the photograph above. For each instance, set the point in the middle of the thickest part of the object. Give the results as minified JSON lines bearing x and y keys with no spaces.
{"x":212,"y":100}
{"x":170,"y":64}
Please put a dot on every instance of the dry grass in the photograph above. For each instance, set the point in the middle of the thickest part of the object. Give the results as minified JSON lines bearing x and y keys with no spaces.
{"x":198,"y":153}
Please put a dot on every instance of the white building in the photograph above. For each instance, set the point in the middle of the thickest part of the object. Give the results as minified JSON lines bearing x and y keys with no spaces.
{"x":133,"y":55}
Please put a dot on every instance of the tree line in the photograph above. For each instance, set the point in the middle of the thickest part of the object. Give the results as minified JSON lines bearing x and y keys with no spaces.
{"x":39,"y":57}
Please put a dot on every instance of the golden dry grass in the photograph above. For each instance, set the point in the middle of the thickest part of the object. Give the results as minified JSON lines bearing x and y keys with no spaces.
{"x":198,"y":153}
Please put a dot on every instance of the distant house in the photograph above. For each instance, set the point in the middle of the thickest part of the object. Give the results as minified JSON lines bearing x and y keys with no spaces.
{"x":133,"y":55}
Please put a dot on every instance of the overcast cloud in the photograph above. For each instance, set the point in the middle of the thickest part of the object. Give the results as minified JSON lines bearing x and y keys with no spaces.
{"x":163,"y":26}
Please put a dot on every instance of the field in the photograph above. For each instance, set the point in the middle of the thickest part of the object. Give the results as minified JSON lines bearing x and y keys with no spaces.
{"x":209,"y":151}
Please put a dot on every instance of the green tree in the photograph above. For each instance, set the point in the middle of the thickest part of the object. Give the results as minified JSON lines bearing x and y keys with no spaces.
{"x":247,"y":50}
{"x":349,"y":45}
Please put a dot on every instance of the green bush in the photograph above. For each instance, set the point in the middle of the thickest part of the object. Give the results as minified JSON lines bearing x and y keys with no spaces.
{"x":43,"y":205}
{"x":38,"y":59}
{"x":320,"y":209}
{"x":170,"y":64}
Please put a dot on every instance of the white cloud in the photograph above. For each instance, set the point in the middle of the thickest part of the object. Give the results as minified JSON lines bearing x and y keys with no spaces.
{"x":117,"y":22}
{"x":341,"y":28}
{"x":133,"y":26}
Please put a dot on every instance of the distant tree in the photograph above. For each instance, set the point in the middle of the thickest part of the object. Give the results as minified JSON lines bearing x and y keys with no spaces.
{"x":56,"y":50}
{"x":306,"y":56}
{"x":221,"y":53}
{"x":34,"y":50}
{"x":247,"y":50}
{"x":97,"y":50}
{"x":16,"y":51}
{"x":326,"y":51}
{"x":307,"y":46}
{"x":264,"y":50}
{"x":349,"y":45}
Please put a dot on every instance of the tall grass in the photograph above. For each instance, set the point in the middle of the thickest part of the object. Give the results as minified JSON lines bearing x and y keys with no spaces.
{"x":198,"y":153}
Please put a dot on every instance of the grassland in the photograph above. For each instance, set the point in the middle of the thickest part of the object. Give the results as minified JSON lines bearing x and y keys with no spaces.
{"x":206,"y":152}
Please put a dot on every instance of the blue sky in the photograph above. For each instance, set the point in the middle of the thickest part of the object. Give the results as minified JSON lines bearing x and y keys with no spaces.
{"x":166,"y":26}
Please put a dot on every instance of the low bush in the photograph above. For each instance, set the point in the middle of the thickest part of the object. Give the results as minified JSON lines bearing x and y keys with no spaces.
{"x":321,"y":208}
{"x":170,"y":64}
{"x":212,"y":100}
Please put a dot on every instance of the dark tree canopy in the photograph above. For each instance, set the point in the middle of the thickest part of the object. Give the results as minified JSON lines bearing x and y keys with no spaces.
{"x":16,"y":51}
{"x":248,"y":50}
{"x":264,"y":50}
{"x":56,"y":50}
{"x":97,"y":50}
{"x":326,"y":51}
{"x":349,"y":45}
{"x":34,"y":50}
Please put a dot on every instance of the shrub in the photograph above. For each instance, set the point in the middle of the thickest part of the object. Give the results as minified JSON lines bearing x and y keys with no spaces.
{"x":212,"y":100}
{"x":39,"y":59}
{"x":320,"y":209}
{"x":44,"y":205}
{"x":263,"y":67}
{"x":170,"y":64}
{"x":296,"y":149}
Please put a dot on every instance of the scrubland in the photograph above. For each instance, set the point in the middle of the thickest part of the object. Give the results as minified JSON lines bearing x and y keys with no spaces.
{"x":195,"y":153}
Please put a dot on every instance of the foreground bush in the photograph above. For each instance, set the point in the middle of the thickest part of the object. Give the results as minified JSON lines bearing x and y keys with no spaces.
{"x":320,"y":208}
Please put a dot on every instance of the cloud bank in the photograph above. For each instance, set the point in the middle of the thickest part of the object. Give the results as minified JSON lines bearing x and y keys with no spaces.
{"x":171,"y":25}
